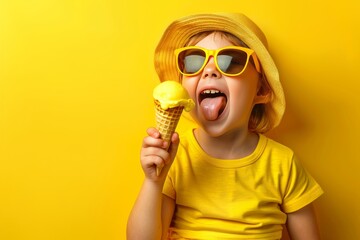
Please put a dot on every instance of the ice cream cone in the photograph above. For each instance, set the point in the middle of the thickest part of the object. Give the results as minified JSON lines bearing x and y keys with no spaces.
{"x":171,"y":98}
{"x":166,"y":122}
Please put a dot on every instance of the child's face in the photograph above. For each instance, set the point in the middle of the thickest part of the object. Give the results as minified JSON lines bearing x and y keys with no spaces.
{"x":230,"y":108}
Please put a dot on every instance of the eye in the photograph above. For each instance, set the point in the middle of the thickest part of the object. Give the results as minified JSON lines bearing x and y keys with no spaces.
{"x":191,"y":60}
{"x":232,"y":62}
{"x":224,"y":62}
{"x":193,"y":63}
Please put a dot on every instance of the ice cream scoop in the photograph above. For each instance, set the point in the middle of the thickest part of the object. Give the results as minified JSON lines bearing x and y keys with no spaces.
{"x":172,"y":94}
{"x":170,"y":98}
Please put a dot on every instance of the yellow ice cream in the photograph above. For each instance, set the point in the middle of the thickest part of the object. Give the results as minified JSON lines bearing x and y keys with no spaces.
{"x":172,"y":94}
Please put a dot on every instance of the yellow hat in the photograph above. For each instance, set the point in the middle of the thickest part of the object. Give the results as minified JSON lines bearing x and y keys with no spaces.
{"x":180,"y":31}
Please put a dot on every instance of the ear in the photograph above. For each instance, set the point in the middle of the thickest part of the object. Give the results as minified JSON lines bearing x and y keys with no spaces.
{"x":263,"y":92}
{"x":262,"y":99}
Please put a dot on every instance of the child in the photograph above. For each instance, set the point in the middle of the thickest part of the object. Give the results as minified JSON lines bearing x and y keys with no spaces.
{"x":227,"y":180}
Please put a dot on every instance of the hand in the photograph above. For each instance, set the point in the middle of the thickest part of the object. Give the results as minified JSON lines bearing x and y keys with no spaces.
{"x":154,"y":154}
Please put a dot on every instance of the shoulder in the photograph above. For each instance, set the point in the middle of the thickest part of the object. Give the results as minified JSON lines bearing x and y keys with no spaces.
{"x":276,"y":146}
{"x":276,"y":150}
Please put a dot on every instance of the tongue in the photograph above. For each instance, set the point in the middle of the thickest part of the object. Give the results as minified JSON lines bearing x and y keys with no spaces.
{"x":213,"y":107}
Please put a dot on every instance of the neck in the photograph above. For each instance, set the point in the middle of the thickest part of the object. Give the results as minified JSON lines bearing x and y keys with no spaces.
{"x":233,"y":145}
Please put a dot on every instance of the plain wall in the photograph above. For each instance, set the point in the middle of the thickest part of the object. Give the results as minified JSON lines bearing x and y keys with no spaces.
{"x":76,"y":80}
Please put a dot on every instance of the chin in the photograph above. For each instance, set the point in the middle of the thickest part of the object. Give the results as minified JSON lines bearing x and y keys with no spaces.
{"x":214,"y":130}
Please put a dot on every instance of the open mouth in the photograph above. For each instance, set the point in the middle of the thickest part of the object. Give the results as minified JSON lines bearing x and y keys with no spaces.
{"x":212,"y":103}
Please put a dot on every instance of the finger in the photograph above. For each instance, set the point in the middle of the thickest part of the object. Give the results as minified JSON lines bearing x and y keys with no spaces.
{"x":150,"y":141}
{"x":175,"y":141}
{"x":175,"y":138}
{"x":155,"y":151}
{"x":153,"y":132}
{"x":153,"y":161}
{"x":172,"y":151}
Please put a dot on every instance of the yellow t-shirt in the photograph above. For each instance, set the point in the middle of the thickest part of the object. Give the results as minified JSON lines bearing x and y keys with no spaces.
{"x":245,"y":198}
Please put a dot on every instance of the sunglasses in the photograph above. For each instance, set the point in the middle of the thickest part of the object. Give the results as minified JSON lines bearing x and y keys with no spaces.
{"x":230,"y":61}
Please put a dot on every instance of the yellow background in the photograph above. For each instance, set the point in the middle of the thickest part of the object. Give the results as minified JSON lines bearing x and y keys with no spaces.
{"x":76,"y":78}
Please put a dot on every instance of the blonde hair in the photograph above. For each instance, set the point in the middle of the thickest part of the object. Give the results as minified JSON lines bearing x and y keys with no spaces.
{"x":259,"y":121}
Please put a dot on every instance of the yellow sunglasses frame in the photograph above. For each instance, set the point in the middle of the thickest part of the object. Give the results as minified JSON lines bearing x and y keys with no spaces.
{"x":208,"y":53}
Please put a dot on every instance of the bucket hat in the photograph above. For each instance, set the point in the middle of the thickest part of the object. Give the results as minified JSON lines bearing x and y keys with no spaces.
{"x":180,"y":31}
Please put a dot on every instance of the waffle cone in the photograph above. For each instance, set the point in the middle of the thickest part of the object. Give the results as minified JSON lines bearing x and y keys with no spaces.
{"x":167,"y":120}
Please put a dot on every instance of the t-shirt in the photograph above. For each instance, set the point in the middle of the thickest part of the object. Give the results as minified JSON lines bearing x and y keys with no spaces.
{"x":245,"y":198}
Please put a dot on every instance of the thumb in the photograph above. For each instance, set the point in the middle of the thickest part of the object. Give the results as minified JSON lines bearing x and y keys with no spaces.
{"x":175,"y":140}
{"x":172,"y":150}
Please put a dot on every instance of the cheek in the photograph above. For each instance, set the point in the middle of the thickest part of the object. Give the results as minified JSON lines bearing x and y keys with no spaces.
{"x":190,"y":84}
{"x":243,"y":93}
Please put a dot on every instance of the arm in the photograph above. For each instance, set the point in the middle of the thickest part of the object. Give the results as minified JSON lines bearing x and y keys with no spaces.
{"x":168,"y":208}
{"x":302,"y":225}
{"x":152,"y":211}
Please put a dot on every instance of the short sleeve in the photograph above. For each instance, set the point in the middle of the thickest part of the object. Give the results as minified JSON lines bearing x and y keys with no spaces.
{"x":301,"y":188}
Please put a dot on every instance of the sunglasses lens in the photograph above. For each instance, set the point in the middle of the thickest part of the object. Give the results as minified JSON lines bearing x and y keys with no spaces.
{"x":232,"y":61}
{"x":191,"y":61}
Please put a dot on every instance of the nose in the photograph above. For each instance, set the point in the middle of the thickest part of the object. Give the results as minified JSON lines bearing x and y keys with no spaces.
{"x":210,"y":70}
